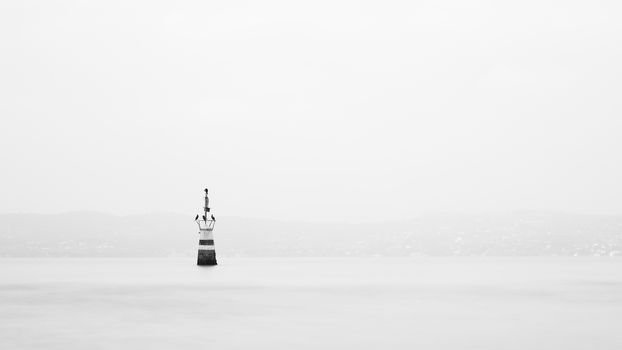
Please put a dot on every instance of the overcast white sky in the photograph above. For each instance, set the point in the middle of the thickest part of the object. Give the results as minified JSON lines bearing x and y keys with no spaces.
{"x":317,"y":110}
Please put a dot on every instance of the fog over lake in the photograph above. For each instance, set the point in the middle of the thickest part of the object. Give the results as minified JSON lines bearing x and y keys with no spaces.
{"x":382,"y":174}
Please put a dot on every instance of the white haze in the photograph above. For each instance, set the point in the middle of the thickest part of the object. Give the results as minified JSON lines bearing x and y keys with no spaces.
{"x":322,"y":110}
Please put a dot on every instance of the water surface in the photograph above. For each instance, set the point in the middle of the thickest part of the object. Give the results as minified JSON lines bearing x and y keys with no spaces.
{"x":312,"y":303}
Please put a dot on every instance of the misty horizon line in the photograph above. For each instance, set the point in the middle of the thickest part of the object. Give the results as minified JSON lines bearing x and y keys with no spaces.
{"x":508,"y":233}
{"x":345,"y":221}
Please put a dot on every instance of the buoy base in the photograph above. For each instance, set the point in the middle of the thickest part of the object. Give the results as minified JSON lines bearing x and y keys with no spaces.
{"x":207,"y":257}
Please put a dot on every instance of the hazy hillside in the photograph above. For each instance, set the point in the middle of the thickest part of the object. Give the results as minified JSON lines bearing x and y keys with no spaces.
{"x":526,"y":233}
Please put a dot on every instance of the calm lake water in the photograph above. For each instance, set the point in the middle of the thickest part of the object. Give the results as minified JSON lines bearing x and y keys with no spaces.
{"x":312,"y":303}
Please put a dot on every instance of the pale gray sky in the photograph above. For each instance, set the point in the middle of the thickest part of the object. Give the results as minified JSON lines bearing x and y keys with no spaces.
{"x":317,"y":110}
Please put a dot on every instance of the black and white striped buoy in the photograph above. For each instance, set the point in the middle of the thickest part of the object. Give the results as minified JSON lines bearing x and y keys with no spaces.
{"x":207,"y":252}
